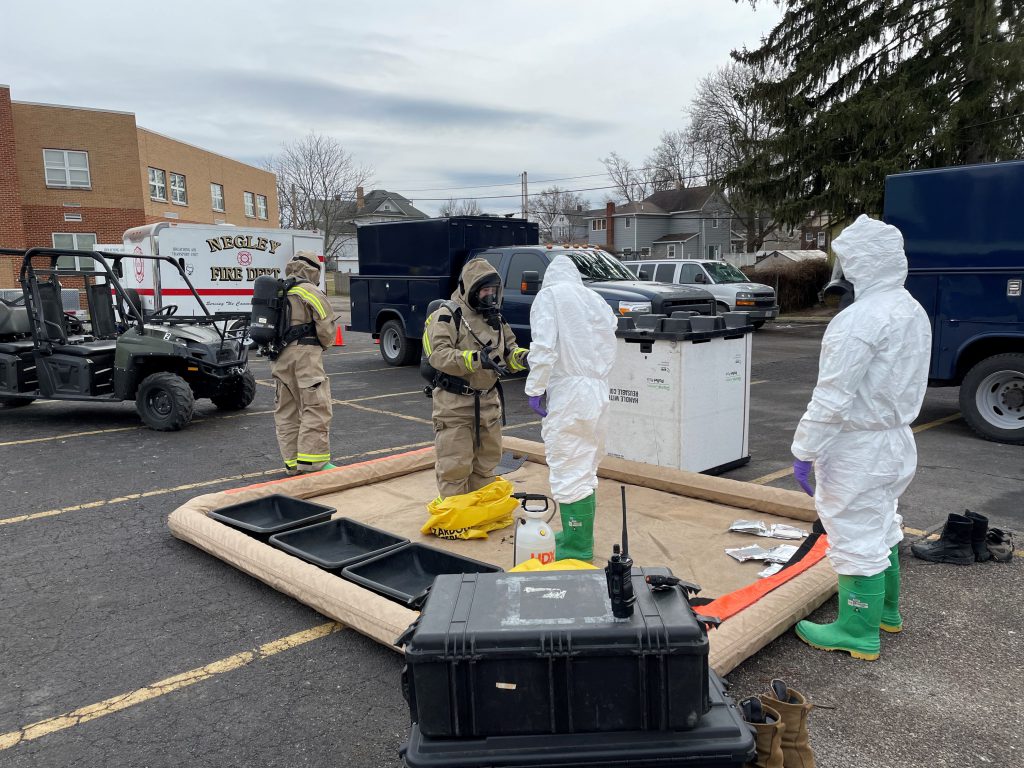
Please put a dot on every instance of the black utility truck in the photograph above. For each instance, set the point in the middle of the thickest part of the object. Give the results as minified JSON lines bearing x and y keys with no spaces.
{"x":404,"y":265}
{"x":161,"y":360}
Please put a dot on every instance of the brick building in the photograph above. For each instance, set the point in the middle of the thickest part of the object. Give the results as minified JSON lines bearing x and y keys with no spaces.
{"x":73,"y":176}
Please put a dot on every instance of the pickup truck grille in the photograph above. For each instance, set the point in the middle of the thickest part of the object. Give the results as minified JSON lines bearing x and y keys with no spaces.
{"x":668,"y":306}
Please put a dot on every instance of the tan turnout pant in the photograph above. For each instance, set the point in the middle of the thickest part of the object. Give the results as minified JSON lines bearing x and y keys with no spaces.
{"x":461,"y":466}
{"x":303,"y":408}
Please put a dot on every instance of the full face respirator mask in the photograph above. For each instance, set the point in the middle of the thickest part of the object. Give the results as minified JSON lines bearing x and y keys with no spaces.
{"x":487,"y":305}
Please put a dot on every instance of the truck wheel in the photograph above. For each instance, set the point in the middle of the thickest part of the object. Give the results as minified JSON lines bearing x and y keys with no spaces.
{"x":165,"y":402}
{"x":237,"y":394}
{"x":992,"y":398}
{"x":758,"y":324}
{"x":395,"y":348}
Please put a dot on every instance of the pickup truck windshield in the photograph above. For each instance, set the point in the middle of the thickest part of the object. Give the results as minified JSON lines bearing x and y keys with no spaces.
{"x":723,"y":272}
{"x":598,"y":265}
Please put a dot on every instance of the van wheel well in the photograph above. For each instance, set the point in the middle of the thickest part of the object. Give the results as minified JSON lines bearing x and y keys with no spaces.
{"x":983,"y":349}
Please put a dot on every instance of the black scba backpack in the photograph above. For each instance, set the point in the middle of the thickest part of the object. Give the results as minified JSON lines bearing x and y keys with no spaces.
{"x":270,"y":325}
{"x":433,"y":376}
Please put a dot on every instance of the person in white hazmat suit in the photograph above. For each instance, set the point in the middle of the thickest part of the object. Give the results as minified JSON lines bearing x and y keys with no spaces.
{"x":856,"y":435}
{"x":571,"y":357}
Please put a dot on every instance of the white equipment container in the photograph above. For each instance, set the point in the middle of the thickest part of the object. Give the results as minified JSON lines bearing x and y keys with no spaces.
{"x":534,"y":538}
{"x":680,"y":392}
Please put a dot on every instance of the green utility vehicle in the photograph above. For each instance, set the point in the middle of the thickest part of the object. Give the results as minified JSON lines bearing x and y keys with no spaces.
{"x":162,"y":361}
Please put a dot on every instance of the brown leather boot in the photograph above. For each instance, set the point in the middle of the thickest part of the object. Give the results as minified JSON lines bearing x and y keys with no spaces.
{"x":793,"y":707}
{"x":767,"y":725}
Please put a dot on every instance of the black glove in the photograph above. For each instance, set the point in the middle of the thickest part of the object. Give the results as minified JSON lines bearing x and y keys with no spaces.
{"x":487,"y":361}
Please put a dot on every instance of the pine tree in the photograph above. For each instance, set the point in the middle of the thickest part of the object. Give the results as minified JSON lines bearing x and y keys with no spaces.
{"x":873,"y":87}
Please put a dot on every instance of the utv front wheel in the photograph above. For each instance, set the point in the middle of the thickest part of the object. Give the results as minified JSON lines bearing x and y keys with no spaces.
{"x":15,"y":402}
{"x":165,"y":402}
{"x":237,"y":394}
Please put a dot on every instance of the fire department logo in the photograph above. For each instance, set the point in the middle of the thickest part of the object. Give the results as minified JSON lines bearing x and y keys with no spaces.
{"x":140,"y":270}
{"x":245,"y":258}
{"x":189,"y":269}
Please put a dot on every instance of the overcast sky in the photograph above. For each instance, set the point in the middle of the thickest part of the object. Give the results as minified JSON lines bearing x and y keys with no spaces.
{"x":431,"y":95}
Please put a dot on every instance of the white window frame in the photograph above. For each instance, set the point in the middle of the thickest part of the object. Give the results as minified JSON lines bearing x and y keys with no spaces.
{"x":808,"y":237}
{"x":249,"y":199}
{"x":175,"y":191}
{"x":84,"y":263}
{"x":598,"y":225}
{"x":261,"y":207}
{"x":63,"y":164}
{"x":629,"y":224}
{"x":670,"y":251}
{"x":157,"y":180}
{"x":714,"y":223}
{"x":715,"y":252}
{"x":821,"y":239}
{"x":219,"y":189}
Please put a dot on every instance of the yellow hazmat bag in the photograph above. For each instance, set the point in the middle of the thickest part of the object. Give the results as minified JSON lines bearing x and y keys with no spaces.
{"x":569,"y":564}
{"x":472,"y":515}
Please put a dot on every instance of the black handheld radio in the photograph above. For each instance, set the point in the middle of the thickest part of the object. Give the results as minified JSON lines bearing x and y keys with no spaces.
{"x":619,"y":573}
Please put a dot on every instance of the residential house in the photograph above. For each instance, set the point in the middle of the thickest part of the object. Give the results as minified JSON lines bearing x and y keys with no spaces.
{"x":776,"y":258}
{"x":378,"y":205}
{"x":816,"y":233}
{"x":568,"y":228}
{"x":692,"y":223}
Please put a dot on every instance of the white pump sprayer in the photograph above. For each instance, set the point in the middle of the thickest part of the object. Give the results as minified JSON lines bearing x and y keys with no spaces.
{"x":533,"y":536}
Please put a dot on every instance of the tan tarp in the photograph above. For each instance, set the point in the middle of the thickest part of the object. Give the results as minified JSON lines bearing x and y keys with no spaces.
{"x":677,"y":519}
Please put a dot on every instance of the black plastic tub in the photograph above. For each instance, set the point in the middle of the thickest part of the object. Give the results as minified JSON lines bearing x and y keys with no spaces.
{"x":406,"y":574}
{"x":264,"y":517}
{"x":337,"y":543}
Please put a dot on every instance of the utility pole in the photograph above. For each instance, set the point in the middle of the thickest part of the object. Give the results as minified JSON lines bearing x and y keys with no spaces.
{"x":525,"y":196}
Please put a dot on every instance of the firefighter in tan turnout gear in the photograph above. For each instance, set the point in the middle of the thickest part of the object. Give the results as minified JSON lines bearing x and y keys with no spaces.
{"x":469,"y":345}
{"x":303,"y":404}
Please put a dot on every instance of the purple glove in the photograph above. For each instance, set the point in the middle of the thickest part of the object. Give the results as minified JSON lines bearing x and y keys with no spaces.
{"x":536,"y":404}
{"x":802,"y":473}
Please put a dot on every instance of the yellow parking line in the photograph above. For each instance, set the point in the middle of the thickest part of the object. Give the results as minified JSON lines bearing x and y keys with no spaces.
{"x":68,"y":436}
{"x":937,"y":423}
{"x":154,"y":690}
{"x":772,"y":476}
{"x":191,"y":486}
{"x":355,"y":404}
{"x":524,"y":424}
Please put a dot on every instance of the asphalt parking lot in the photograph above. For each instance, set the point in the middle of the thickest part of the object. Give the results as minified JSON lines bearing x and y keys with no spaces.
{"x":122,"y":646}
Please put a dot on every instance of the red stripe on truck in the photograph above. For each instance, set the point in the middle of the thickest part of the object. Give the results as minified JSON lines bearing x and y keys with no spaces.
{"x":200,"y":291}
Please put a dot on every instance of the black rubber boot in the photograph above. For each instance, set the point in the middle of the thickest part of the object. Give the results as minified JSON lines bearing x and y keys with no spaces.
{"x":978,"y":536}
{"x":953,"y":546}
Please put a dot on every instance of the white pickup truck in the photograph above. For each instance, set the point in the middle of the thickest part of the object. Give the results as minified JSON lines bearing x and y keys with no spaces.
{"x":731,"y":288}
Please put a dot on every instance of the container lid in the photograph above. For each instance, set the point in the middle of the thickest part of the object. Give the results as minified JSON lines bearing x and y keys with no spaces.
{"x":531,"y":612}
{"x":683,"y":326}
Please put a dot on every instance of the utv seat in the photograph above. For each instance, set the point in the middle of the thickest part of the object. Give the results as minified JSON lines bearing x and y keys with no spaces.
{"x":13,"y":319}
{"x":101,"y":311}
{"x":86,"y":348}
{"x":16,"y":347}
{"x":55,"y":322}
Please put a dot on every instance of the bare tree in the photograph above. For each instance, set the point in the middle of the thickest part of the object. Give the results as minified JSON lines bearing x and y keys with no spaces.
{"x":552,"y":207}
{"x":631,"y":184}
{"x":724,"y":129}
{"x":316,"y":187}
{"x":453,"y":206}
{"x":674,"y":164}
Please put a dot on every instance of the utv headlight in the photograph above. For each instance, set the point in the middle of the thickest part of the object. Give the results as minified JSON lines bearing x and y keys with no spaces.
{"x":634,"y":306}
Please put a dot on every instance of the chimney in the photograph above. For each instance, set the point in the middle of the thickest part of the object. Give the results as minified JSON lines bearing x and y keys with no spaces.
{"x":12,"y":228}
{"x":609,"y":223}
{"x":360,"y":202}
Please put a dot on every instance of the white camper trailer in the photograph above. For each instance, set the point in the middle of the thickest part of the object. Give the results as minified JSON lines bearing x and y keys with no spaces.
{"x":222,"y":262}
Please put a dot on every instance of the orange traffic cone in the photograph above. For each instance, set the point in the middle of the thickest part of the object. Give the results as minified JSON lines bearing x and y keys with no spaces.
{"x":376,"y":341}
{"x":339,"y":340}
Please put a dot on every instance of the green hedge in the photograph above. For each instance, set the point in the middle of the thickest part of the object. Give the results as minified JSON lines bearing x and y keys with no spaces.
{"x":796,"y":285}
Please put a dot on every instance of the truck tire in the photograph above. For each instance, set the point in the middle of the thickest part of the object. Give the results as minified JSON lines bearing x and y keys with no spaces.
{"x":395,"y":348}
{"x":165,"y":402}
{"x":758,"y":324}
{"x":236,"y":395}
{"x":992,"y":398}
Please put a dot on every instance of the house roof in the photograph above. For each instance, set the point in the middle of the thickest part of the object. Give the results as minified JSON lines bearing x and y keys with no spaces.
{"x":373,"y":200}
{"x":806,"y":255}
{"x":663,"y":202}
{"x":679,"y":237}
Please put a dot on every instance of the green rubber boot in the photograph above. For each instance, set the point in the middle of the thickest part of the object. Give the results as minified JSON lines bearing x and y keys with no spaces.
{"x":891,"y":619}
{"x":328,"y":465}
{"x":576,"y":539}
{"x":861,"y":599}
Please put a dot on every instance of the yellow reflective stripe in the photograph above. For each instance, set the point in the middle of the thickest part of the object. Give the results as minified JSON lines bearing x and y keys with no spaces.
{"x":515,"y":360}
{"x":467,"y":360}
{"x":426,"y":340}
{"x":309,"y":458}
{"x":290,"y":463}
{"x":311,"y":298}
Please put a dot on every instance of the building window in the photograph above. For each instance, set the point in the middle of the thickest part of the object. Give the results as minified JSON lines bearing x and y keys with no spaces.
{"x":629,"y":223}
{"x":597,"y":225}
{"x":74,"y":241}
{"x":809,"y":237}
{"x":250,"y":205}
{"x":261,"y":206}
{"x":714,"y":223}
{"x":157,"y":185}
{"x":66,"y":168}
{"x":178,"y":193}
{"x":671,"y":251}
{"x":821,"y":239}
{"x":217,"y":195}
{"x":714,"y":252}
